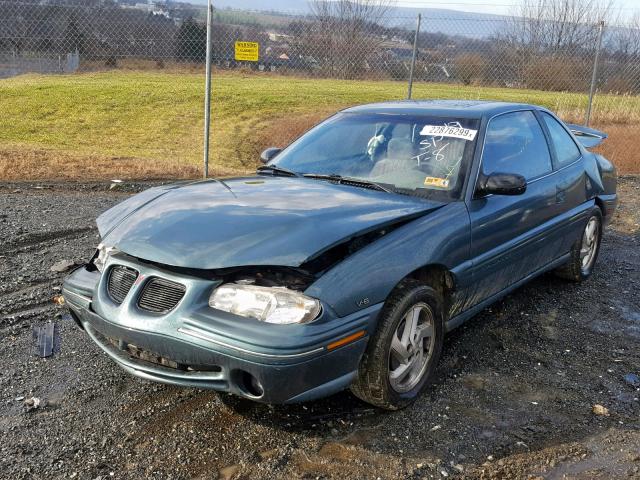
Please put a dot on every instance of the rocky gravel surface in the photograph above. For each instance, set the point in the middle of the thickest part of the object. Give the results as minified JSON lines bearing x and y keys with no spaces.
{"x":541,"y":385}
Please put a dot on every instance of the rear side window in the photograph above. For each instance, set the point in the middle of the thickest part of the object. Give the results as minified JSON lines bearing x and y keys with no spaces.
{"x":566,"y":149}
{"x":515,"y":143}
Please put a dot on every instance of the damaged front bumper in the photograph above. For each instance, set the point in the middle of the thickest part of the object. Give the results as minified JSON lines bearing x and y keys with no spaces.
{"x":194,"y":345}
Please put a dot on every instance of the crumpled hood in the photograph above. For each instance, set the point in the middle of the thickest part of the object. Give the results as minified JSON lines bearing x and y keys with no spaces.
{"x":249,"y":221}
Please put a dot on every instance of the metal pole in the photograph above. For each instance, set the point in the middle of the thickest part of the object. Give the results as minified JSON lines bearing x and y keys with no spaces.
{"x":207,"y":91}
{"x":413,"y":58}
{"x":594,"y":75}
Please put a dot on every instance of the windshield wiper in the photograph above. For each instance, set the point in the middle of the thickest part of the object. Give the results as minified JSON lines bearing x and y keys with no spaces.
{"x":274,"y":169}
{"x":356,"y":182}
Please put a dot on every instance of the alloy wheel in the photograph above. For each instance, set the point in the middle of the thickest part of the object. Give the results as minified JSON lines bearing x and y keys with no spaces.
{"x":589,"y":244}
{"x":411,"y":347}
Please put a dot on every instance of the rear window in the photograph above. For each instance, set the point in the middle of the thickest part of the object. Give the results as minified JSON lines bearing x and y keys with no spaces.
{"x":566,"y":149}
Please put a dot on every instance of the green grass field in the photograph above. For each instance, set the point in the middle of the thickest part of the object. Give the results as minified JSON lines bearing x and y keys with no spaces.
{"x":156,"y":119}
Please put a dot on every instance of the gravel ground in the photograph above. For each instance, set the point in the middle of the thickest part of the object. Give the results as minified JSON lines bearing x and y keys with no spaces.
{"x":514,"y":397}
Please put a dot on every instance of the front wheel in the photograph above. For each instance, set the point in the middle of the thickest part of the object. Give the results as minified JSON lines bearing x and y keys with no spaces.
{"x":585,"y":251}
{"x":402,"y":356}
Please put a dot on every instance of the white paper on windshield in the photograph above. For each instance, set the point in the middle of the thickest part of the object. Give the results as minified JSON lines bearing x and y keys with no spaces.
{"x":445,"y":131}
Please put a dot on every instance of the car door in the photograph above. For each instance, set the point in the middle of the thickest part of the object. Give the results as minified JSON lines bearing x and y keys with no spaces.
{"x":508,"y":237}
{"x":570,"y":180}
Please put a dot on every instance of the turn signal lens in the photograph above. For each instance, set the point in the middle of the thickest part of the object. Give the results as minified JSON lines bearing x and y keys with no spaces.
{"x":346,"y":340}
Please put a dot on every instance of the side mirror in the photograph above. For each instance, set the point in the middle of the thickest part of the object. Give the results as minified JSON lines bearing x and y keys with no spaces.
{"x":501,"y":184}
{"x":269,"y":154}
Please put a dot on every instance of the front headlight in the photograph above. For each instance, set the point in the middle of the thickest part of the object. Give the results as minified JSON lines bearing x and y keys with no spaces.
{"x":103,"y":254}
{"x":267,"y":304}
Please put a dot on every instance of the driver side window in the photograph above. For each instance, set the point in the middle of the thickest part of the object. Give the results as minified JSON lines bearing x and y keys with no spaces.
{"x":515,"y":143}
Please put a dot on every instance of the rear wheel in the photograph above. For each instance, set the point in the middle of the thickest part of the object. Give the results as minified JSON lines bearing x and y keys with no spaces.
{"x":402,"y":355}
{"x":585,"y":251}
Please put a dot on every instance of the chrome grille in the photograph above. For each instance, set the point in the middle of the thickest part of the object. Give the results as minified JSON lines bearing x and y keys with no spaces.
{"x":160,"y":295}
{"x":120,"y":281}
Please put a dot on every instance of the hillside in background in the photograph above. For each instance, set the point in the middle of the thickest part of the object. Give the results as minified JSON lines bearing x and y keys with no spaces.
{"x":436,"y":20}
{"x":286,"y":6}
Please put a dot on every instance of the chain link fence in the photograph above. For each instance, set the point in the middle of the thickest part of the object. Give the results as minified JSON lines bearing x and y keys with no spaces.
{"x":500,"y":57}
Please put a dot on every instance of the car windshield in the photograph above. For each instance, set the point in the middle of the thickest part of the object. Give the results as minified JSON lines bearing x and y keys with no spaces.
{"x":419,"y":155}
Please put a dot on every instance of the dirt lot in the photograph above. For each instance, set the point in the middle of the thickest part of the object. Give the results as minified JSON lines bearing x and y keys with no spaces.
{"x":514,"y":396}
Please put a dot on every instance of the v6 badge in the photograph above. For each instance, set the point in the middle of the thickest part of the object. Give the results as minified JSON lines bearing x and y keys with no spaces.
{"x":363,"y":302}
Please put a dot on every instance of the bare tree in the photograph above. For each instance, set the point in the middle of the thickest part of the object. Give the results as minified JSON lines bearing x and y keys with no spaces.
{"x":342,"y":33}
{"x":626,"y":38}
{"x":549,"y":41}
{"x":352,"y":11}
{"x":557,"y":25}
{"x":623,"y":45}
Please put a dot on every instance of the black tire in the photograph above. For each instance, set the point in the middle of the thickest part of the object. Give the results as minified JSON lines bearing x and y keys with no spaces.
{"x":372,"y":383}
{"x":573,"y":270}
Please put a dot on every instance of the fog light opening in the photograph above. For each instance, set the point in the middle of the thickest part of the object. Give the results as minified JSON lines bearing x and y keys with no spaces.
{"x":250,"y":385}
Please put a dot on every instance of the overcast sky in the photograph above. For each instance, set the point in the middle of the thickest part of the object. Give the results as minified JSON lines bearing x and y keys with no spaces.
{"x":627,"y":7}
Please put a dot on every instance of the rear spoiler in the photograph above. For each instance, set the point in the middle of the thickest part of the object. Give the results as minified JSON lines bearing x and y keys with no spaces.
{"x":588,"y":137}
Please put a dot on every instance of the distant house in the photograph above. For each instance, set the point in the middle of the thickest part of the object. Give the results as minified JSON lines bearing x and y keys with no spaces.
{"x":279,"y":37}
{"x":400,"y":40}
{"x":437,"y":72}
{"x":146,"y":7}
{"x":401,"y":53}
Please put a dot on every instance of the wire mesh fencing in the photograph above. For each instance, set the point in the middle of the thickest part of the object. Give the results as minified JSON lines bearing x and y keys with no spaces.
{"x":504,"y":58}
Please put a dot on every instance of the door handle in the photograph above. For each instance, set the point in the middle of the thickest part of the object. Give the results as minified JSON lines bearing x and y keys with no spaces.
{"x":561,"y":195}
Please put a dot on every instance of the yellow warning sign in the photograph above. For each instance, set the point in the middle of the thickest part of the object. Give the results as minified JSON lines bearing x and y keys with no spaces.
{"x":247,"y":51}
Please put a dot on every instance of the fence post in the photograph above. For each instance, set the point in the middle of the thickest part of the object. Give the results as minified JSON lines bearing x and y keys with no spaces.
{"x":207,"y":91}
{"x":594,"y":75}
{"x":413,"y":58}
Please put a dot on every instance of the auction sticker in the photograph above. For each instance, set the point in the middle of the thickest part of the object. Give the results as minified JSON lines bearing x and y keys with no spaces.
{"x":436,"y":182}
{"x":445,"y":131}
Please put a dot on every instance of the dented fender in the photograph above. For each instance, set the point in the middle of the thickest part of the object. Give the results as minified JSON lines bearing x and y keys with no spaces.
{"x":368,"y":276}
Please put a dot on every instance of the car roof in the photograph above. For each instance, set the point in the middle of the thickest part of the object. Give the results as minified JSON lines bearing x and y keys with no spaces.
{"x":444,"y":108}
